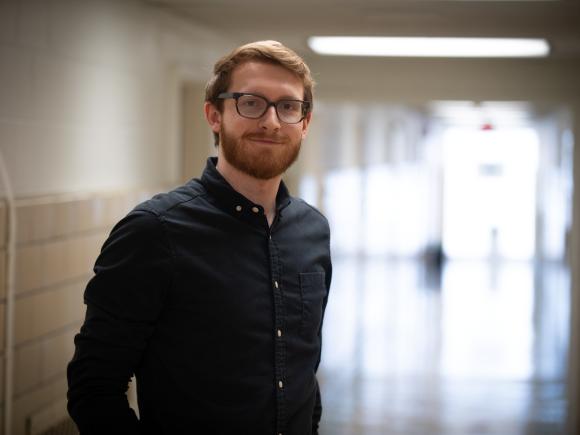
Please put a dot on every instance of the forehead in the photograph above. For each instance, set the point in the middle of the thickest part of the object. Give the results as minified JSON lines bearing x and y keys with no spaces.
{"x":272,"y":81}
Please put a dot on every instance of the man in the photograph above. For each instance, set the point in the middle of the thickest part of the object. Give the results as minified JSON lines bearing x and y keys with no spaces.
{"x":213,"y":294}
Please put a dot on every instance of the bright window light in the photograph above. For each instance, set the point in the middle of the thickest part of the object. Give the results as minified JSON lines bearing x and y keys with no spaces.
{"x":428,"y":47}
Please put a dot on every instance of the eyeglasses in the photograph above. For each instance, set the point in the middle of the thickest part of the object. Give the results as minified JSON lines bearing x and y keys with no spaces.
{"x":254,"y":106}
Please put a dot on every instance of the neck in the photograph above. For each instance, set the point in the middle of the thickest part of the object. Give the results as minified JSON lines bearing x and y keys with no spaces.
{"x":261,"y":192}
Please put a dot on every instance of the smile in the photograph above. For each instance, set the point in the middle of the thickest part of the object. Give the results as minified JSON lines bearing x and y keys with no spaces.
{"x":266,"y":140}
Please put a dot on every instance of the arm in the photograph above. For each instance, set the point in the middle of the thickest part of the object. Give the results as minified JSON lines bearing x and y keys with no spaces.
{"x":317,"y":411}
{"x":123,"y":299}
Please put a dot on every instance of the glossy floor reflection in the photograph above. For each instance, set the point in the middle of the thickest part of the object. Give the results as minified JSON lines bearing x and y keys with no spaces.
{"x":479,"y":348}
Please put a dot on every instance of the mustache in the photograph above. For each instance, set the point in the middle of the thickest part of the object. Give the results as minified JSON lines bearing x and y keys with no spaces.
{"x":281,"y":138}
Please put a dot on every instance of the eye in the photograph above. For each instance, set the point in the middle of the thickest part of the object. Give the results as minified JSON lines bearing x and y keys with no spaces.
{"x":290,"y":106}
{"x":251,"y":102}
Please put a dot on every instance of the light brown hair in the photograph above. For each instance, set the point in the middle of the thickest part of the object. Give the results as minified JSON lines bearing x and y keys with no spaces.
{"x":272,"y":52}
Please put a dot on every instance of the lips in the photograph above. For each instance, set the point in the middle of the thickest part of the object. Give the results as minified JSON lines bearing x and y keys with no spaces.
{"x":274,"y":140}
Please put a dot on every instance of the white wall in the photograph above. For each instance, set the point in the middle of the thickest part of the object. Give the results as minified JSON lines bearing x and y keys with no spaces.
{"x":89,"y":96}
{"x":89,"y":92}
{"x":89,"y":101}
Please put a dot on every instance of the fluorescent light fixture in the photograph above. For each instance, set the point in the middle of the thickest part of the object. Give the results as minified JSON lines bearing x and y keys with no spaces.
{"x":428,"y":47}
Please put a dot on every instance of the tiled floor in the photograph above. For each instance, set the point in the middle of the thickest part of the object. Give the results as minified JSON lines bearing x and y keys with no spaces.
{"x":479,"y":348}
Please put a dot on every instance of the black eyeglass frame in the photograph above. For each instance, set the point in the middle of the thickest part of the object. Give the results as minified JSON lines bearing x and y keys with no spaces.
{"x":236,"y":96}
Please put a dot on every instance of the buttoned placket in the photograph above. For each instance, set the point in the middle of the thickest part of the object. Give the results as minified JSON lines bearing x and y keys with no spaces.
{"x":279,"y":339}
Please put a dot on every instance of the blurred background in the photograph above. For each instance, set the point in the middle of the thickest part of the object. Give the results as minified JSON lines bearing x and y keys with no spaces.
{"x":448,"y":184}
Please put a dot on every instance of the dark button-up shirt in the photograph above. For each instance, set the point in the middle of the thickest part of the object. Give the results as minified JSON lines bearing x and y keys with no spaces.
{"x":216,"y":313}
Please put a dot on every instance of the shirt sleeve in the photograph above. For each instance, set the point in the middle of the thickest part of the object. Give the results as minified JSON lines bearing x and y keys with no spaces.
{"x":317,"y":411}
{"x":124,"y":299}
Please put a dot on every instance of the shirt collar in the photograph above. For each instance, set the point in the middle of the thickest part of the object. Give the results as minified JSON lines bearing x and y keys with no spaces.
{"x":234,"y":201}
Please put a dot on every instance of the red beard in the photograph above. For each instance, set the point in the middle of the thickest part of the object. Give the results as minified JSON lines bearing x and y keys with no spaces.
{"x":262,"y":162}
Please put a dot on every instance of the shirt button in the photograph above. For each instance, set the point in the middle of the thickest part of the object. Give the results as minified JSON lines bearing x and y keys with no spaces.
{"x":279,"y":333}
{"x":280,"y":384}
{"x":255,"y":209}
{"x":238,"y":208}
{"x":276,"y":284}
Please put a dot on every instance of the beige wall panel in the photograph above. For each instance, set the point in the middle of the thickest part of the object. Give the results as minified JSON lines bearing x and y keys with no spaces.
{"x":115,"y":208}
{"x":123,"y":203}
{"x":2,"y":274}
{"x":66,"y":218}
{"x":58,"y":217}
{"x":2,"y":383}
{"x":53,"y":263}
{"x":90,"y":214}
{"x":2,"y":327}
{"x":36,"y":220}
{"x":29,"y":267}
{"x":42,"y":361}
{"x":3,"y":223}
{"x":104,"y":210}
{"x":81,"y":254}
{"x":49,"y":419}
{"x":42,"y":313}
{"x":30,"y":403}
{"x":74,"y":257}
{"x":92,"y":250}
{"x":27,"y":368}
{"x":46,"y":218}
{"x":43,"y":265}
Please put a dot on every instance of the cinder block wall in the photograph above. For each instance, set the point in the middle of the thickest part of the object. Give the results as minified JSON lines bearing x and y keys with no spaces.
{"x":58,"y":240}
{"x":90,"y":101}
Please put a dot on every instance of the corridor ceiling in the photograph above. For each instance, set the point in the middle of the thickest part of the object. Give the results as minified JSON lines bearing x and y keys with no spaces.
{"x":292,"y":22}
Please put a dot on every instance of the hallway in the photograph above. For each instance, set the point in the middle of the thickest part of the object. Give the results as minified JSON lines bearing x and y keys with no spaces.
{"x":480,"y":350}
{"x":101,"y":107}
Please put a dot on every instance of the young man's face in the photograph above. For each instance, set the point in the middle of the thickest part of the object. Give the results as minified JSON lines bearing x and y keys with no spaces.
{"x":265,"y":147}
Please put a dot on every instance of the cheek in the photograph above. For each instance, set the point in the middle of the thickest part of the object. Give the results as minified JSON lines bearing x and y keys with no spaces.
{"x":237,"y":125}
{"x":297,"y":133}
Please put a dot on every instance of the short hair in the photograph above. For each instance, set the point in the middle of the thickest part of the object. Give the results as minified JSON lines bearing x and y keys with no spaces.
{"x":272,"y":52}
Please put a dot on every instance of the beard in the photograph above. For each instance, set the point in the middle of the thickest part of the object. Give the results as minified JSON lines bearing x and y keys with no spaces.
{"x":264,"y":162}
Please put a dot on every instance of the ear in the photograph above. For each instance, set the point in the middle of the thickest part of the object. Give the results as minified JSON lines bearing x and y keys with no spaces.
{"x":305,"y":124}
{"x":213,"y":116}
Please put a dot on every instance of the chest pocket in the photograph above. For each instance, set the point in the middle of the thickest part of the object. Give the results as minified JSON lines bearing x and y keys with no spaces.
{"x":312,"y":292}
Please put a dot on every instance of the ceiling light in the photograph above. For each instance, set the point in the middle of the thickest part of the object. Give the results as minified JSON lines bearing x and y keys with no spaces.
{"x":428,"y":47}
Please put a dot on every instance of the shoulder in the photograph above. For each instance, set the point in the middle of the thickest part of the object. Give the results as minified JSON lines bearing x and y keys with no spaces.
{"x":309,"y":215}
{"x":305,"y":208}
{"x":164,"y":203}
{"x":146,"y":219}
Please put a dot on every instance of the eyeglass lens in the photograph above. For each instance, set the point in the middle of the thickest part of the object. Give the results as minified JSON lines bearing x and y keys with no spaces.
{"x":253,"y":106}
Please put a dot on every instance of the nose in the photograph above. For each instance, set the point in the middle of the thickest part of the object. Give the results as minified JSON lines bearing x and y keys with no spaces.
{"x":269,"y":120}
